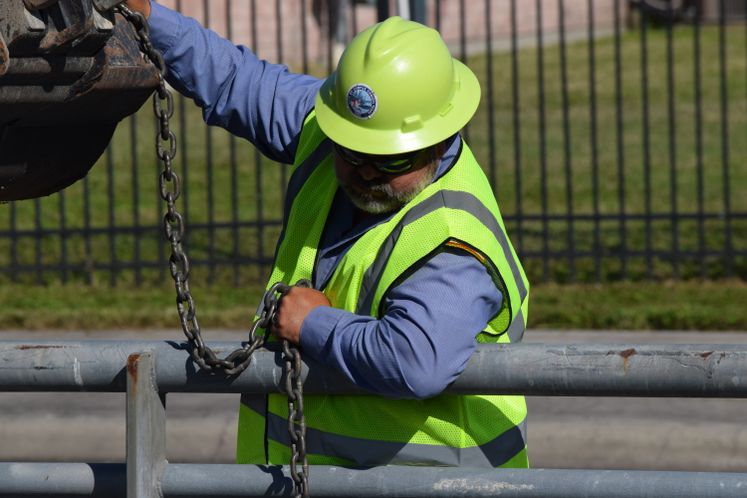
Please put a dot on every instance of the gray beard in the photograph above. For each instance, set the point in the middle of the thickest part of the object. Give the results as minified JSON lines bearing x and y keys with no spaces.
{"x":390,"y":200}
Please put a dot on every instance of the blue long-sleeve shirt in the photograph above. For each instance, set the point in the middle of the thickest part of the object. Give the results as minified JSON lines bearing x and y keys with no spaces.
{"x":427,"y":332}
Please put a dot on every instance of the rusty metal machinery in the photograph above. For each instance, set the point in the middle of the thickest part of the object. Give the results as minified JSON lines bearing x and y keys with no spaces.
{"x":70,"y":70}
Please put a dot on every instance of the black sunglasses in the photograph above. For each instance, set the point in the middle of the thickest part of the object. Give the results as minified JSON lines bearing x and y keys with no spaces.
{"x":393,"y":165}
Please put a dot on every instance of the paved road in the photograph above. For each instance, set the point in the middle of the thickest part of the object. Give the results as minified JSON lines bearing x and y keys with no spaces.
{"x":572,"y":432}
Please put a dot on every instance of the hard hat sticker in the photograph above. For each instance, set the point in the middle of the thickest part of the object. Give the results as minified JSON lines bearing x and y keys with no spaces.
{"x":361,"y":101}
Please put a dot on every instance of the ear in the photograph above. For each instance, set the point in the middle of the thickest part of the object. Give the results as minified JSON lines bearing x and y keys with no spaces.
{"x":436,"y":151}
{"x":440,"y":148}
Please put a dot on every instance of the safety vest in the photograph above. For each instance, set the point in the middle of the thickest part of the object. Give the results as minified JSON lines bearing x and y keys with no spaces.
{"x":457,"y":210}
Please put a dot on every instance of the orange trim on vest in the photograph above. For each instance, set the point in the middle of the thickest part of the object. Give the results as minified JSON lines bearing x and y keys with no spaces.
{"x":469,"y":249}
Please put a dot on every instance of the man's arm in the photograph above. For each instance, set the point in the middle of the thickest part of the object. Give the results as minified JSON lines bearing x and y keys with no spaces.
{"x":420,"y":345}
{"x":249,"y":97}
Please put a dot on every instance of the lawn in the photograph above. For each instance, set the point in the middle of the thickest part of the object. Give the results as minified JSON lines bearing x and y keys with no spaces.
{"x":621,"y":306}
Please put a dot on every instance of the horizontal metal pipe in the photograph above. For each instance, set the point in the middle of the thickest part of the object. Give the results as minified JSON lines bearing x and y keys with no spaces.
{"x":533,"y":369}
{"x":62,"y":480}
{"x":226,"y":480}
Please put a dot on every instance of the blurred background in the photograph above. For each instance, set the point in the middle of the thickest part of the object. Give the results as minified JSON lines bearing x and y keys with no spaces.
{"x":614,"y":133}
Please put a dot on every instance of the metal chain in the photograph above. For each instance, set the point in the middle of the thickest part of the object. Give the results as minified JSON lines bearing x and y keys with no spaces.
{"x":173,"y":224}
{"x":299,"y":466}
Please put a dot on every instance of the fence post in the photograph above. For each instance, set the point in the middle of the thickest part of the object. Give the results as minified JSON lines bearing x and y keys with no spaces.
{"x":146,"y":428}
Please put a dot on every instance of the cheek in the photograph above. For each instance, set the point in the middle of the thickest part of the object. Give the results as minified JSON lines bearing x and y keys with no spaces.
{"x":407,"y":181}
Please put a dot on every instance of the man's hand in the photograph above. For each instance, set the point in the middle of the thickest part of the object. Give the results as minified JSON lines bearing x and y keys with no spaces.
{"x":142,"y":6}
{"x":294,"y":306}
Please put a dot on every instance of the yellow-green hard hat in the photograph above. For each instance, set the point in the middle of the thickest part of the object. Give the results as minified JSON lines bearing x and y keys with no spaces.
{"x":396,"y":89}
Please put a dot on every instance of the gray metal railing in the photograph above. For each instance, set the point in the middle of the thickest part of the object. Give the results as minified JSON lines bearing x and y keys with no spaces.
{"x":149,"y":370}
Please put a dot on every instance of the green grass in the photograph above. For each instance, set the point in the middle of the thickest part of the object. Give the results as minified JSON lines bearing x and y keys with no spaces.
{"x":83,"y":307}
{"x":622,"y":306}
{"x":259,"y":186}
{"x":641,"y":306}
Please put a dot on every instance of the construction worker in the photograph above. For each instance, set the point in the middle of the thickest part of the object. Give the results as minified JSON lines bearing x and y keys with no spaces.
{"x":392,"y":219}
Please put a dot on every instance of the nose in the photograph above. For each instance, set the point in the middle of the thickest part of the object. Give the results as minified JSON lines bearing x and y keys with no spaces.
{"x":368,"y":172}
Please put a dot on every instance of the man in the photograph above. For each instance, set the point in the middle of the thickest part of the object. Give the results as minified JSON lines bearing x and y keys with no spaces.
{"x":391,"y":218}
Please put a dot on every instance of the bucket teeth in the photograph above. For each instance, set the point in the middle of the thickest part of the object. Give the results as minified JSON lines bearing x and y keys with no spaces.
{"x":70,"y":70}
{"x":38,"y":4}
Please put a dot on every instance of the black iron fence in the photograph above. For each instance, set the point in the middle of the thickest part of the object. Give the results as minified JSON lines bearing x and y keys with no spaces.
{"x":614,"y":133}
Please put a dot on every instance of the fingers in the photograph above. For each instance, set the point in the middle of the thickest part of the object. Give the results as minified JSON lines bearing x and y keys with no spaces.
{"x":293,"y":308}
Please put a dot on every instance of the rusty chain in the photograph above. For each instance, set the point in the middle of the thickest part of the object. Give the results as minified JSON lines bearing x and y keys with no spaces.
{"x":299,"y":466}
{"x":173,"y":224}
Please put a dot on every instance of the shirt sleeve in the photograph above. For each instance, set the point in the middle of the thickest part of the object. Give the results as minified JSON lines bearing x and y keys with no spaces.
{"x":249,"y":97}
{"x":424,"y":339}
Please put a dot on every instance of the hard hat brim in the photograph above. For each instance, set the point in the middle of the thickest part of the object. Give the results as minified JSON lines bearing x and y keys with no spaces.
{"x":349,"y":132}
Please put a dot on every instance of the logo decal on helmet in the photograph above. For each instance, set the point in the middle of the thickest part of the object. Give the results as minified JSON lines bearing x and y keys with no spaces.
{"x":361,"y":101}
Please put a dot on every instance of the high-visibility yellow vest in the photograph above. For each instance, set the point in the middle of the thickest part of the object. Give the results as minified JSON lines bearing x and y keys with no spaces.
{"x":457,"y":210}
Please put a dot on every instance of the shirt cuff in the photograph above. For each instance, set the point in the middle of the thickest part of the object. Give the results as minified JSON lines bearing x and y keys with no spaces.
{"x":316,"y":329}
{"x":165,"y":27}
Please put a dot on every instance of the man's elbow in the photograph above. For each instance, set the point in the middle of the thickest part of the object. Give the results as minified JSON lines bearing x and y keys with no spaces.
{"x":426,"y":385}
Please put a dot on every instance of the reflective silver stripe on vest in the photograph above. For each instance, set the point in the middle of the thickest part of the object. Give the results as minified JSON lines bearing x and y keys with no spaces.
{"x":371,"y":452}
{"x":452,"y":199}
{"x":516,"y":328}
{"x":255,"y":402}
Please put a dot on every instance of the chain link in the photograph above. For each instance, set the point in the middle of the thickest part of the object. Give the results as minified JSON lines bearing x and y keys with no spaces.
{"x":299,"y":466}
{"x":173,"y":226}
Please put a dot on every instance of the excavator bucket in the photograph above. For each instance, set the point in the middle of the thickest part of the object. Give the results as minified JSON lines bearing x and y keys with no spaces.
{"x":70,"y":70}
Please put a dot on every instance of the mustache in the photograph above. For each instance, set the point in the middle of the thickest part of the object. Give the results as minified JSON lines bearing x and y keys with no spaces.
{"x":376,"y":184}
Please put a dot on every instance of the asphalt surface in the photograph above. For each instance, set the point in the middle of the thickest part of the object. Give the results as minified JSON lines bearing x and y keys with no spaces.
{"x":564,"y":432}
